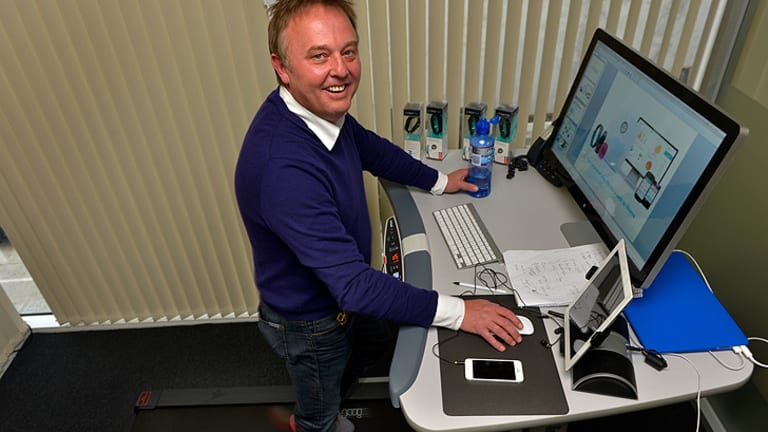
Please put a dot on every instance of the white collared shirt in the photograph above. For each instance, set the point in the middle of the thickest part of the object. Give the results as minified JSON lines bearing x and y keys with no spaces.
{"x":326,"y":131}
{"x":450,"y":310}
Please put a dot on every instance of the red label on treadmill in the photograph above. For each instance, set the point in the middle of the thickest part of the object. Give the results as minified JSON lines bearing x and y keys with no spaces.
{"x":144,"y":398}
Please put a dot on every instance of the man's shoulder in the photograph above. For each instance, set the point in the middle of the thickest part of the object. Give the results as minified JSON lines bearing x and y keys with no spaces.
{"x":274,"y":126}
{"x":271,"y":115}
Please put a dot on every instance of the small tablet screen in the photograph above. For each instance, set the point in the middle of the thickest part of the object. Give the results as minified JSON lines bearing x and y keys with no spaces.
{"x":603,"y":298}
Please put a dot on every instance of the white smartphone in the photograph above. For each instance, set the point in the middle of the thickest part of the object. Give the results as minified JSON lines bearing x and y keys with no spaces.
{"x":498,"y":370}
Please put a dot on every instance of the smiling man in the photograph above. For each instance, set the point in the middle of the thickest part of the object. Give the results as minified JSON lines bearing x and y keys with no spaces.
{"x":299,"y":185}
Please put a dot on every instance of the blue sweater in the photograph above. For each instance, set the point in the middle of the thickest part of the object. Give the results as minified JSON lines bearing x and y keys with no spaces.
{"x":305,"y":212}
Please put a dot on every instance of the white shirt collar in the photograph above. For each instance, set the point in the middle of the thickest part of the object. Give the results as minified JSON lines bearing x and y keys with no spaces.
{"x":325,"y":131}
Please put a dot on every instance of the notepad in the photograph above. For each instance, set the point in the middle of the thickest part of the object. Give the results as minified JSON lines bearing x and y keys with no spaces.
{"x":552,"y":277}
{"x":678,"y":313}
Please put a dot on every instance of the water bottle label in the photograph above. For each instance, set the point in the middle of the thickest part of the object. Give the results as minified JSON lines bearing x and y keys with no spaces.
{"x":481,"y":159}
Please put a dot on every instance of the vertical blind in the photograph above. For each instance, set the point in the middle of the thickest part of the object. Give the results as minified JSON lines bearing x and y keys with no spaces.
{"x":12,"y":330}
{"x":121,"y":121}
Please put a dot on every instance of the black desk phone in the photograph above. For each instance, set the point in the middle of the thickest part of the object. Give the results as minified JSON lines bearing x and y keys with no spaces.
{"x":540,"y":156}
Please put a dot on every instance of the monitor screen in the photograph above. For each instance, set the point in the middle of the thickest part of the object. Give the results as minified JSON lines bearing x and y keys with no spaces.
{"x":640,"y":150}
{"x":601,"y":301}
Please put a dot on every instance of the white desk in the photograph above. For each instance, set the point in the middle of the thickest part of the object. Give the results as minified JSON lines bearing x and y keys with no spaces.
{"x":525,"y":212}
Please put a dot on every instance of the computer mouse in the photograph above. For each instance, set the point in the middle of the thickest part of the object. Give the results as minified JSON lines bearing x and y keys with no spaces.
{"x":527,"y":325}
{"x":525,"y":331}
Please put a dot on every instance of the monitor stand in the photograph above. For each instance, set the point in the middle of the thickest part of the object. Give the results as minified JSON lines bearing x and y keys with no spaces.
{"x":579,"y":233}
{"x":606,"y":368}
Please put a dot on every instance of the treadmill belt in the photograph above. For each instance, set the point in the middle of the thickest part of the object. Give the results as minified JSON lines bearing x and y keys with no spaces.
{"x":374,"y":416}
{"x":264,"y":409}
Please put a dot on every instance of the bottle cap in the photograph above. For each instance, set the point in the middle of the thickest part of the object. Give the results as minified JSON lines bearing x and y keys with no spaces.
{"x":484,"y":126}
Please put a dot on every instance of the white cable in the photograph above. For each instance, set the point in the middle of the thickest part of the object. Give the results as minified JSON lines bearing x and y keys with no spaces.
{"x":698,"y":388}
{"x":743,"y":350}
{"x":727,"y":366}
{"x":748,"y":354}
{"x":695,"y":263}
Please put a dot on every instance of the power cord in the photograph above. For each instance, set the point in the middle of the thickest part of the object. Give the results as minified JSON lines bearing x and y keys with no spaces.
{"x":744,"y":351}
{"x":498,"y":283}
{"x":443,"y":359}
{"x":698,"y":388}
{"x":726,"y":365}
{"x":654,"y":353}
{"x":518,"y":163}
{"x":696,"y":264}
{"x":652,"y":357}
{"x":488,"y":279}
{"x":491,"y":279}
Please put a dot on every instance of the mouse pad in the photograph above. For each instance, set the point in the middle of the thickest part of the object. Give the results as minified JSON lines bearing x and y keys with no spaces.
{"x":541,"y":392}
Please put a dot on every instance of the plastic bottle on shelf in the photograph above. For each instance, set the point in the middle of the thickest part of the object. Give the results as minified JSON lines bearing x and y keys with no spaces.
{"x":481,"y":153}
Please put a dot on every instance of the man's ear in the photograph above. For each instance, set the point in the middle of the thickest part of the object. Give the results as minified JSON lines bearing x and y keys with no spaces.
{"x":280,"y":69}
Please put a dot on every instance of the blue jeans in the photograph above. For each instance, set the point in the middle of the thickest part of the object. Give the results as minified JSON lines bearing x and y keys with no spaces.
{"x":317,"y":355}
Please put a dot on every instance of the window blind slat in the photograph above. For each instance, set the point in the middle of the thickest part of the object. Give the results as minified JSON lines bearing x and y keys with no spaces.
{"x":670,"y":23}
{"x":702,"y":53}
{"x":633,"y":23}
{"x":399,"y":72}
{"x":569,"y":56}
{"x":681,"y":55}
{"x":650,"y":27}
{"x":511,"y":52}
{"x":547,"y":67}
{"x":437,"y":54}
{"x":491,"y":45}
{"x":474,"y":60}
{"x":614,"y":13}
{"x":527,"y":78}
{"x":418,"y":38}
{"x":12,"y":328}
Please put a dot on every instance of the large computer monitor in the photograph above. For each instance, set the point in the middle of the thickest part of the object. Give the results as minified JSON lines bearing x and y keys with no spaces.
{"x":640,"y":150}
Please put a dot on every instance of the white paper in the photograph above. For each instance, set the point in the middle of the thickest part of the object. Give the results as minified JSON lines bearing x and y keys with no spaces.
{"x":552,"y":277}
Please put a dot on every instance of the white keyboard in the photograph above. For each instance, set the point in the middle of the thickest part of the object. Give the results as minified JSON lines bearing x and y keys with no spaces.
{"x":466,"y":236}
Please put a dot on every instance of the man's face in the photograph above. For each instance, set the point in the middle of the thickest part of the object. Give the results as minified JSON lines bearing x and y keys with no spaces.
{"x":322,"y":71}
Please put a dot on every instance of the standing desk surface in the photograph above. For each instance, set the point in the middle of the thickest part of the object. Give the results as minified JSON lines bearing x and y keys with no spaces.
{"x":524,"y":212}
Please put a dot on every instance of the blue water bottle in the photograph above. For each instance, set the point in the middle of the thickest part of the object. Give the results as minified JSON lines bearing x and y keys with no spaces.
{"x":481,"y":153}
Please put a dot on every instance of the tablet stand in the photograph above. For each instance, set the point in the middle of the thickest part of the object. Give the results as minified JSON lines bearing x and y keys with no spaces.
{"x":606,"y":368}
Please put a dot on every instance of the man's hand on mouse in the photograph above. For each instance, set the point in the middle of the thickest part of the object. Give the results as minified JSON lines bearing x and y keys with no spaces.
{"x":486,"y":319}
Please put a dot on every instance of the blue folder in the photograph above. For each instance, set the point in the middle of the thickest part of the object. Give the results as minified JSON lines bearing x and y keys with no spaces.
{"x":678,"y":313}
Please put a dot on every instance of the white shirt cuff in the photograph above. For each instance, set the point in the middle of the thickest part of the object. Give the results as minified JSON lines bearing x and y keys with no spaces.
{"x":440,"y":184}
{"x":450,"y":312}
